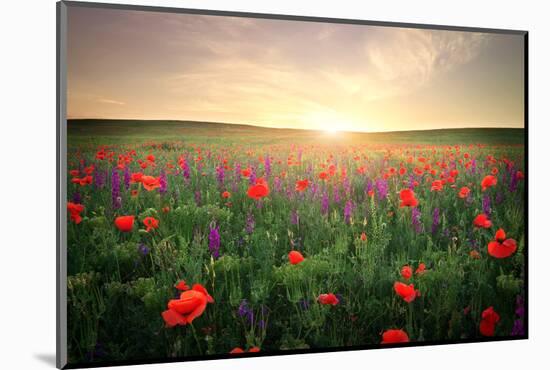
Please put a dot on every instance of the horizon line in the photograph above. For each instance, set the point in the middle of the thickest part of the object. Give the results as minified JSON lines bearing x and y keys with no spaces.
{"x":292,"y":128}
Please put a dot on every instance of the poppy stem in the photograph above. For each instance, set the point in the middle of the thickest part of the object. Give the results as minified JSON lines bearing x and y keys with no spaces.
{"x":410,"y":320}
{"x":196,"y":338}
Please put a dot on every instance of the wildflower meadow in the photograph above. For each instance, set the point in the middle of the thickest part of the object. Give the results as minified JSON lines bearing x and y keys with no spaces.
{"x":189,"y":239}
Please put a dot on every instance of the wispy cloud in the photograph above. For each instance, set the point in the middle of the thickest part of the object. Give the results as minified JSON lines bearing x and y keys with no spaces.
{"x":407,"y":59}
{"x":110,"y":101}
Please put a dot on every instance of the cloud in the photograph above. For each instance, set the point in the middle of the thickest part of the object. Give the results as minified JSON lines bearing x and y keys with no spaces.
{"x":110,"y":101}
{"x":403,"y":60}
{"x":263,"y":71}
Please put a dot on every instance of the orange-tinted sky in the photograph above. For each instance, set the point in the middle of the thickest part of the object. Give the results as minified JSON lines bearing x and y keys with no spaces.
{"x":147,"y":65}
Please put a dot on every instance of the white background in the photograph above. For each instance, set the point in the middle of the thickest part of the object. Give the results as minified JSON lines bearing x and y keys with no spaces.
{"x":27,"y":181}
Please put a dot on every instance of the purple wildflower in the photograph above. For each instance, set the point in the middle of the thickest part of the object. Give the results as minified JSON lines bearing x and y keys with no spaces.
{"x":520,"y":307}
{"x":143,"y":249}
{"x":186,"y":170}
{"x":435,"y":222}
{"x":237,"y":172}
{"x":347,"y":186}
{"x":250,"y":223}
{"x":245,"y":311}
{"x":252,"y":178}
{"x":76,"y":197}
{"x":99,"y":177}
{"x":473,"y":167}
{"x":382,"y":188}
{"x":416,"y":222}
{"x":336,"y":195}
{"x":278,"y":184}
{"x":220,"y":175}
{"x":486,"y":204}
{"x":518,"y":328}
{"x":214,"y":241}
{"x":411,"y":181}
{"x":513,"y":186}
{"x":267,"y":166}
{"x":261,"y":324}
{"x":127,"y":178}
{"x":348,"y":210}
{"x":369,"y":187}
{"x":324,"y":203}
{"x":163,"y":183}
{"x":115,"y":189}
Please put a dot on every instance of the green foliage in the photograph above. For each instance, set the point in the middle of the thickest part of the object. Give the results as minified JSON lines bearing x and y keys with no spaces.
{"x":120,"y":283}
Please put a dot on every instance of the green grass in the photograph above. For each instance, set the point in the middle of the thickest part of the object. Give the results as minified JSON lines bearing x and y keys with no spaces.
{"x":116,"y":292}
{"x":127,"y":131}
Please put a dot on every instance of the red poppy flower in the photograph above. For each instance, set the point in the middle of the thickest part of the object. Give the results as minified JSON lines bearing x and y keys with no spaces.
{"x":437,"y":185}
{"x":405,"y":291}
{"x":246,"y":172}
{"x":150,"y":223}
{"x":188,"y":307}
{"x":394,"y":336}
{"x":301,"y":185}
{"x":520,"y":175}
{"x":258,"y":191}
{"x":464,"y":192}
{"x":238,"y":350}
{"x":489,"y":319}
{"x":136,"y":177}
{"x":74,"y":210}
{"x":406,"y":272}
{"x":363,"y":236}
{"x":226,"y":195}
{"x":407,"y":198}
{"x":323,"y":175}
{"x":86,"y":180}
{"x":500,"y":235}
{"x":125,"y":223}
{"x":295,"y":257}
{"x":165,"y":209}
{"x":89,"y":170}
{"x":421,"y":268}
{"x":181,"y":285}
{"x":134,"y":193}
{"x":501,"y":247}
{"x":488,"y":181}
{"x":328,"y":299}
{"x":150,"y":182}
{"x":481,"y":220}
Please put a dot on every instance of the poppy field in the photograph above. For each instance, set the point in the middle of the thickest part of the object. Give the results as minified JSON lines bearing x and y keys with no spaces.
{"x":190,"y":240}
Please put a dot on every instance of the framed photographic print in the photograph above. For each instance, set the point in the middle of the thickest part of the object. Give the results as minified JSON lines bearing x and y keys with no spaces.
{"x":234,"y":185}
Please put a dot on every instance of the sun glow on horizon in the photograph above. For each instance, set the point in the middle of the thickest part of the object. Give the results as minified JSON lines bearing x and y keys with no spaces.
{"x":290,"y":74}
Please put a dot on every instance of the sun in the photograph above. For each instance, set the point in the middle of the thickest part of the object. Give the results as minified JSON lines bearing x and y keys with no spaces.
{"x":328,"y":121}
{"x":332,"y":130}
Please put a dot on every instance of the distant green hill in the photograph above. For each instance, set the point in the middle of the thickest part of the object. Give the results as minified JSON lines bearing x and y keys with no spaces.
{"x":118,"y":131}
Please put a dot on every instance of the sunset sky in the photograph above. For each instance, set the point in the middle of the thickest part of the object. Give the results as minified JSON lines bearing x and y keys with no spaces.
{"x":275,"y":73}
